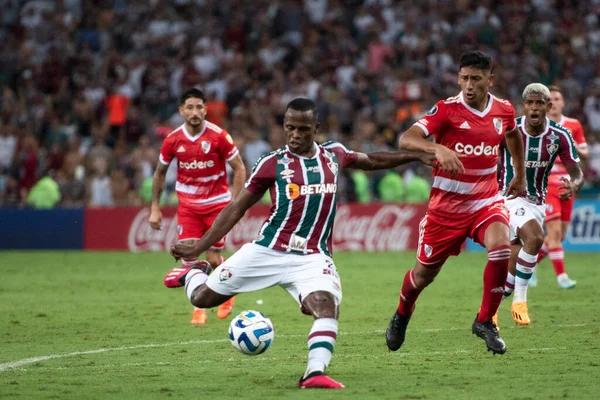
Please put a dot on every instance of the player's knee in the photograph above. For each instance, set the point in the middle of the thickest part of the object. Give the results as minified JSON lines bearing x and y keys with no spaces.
{"x":321,"y":304}
{"x":536,"y":242}
{"x":423,"y":277}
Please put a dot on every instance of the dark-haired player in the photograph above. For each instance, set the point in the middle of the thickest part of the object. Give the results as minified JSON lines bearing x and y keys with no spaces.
{"x":293,"y":247}
{"x":201,"y":150}
{"x":467,"y":203}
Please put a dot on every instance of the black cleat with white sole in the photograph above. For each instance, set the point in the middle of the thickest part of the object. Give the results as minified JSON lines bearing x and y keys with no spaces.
{"x":489,"y":332}
{"x":396,"y":331}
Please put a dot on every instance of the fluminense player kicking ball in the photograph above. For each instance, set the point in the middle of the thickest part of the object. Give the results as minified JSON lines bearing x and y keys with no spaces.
{"x":293,"y":247}
{"x":464,"y":204}
{"x":545,"y":141}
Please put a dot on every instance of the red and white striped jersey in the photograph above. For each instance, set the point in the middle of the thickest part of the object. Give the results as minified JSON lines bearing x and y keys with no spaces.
{"x":558,"y":169}
{"x":201,"y":170}
{"x":477,"y":135}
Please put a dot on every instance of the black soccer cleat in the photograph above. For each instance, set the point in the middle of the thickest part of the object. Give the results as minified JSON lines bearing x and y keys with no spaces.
{"x":396,"y":331}
{"x":489,"y":332}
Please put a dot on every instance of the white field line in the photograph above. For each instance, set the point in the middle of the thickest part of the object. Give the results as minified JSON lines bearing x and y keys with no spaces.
{"x":239,"y":360}
{"x":32,"y":360}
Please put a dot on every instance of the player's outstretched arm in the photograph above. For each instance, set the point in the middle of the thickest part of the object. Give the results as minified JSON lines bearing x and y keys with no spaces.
{"x":574,"y":184}
{"x":158,"y":185}
{"x":514,"y":143}
{"x":414,"y":139}
{"x":239,"y":175}
{"x":390,"y":159}
{"x":224,"y":222}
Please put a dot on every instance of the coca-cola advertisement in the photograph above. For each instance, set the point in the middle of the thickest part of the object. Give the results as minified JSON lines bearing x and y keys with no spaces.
{"x":358,"y":227}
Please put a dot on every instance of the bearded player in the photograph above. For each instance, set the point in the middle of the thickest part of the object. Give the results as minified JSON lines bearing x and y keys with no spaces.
{"x":560,"y":208}
{"x":467,"y":203}
{"x":545,"y":143}
{"x":201,"y":149}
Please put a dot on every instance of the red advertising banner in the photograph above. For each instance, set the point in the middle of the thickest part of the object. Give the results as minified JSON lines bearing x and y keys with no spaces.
{"x":358,"y":227}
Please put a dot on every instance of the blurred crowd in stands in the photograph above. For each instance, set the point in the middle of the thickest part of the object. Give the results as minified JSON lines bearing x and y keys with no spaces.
{"x":90,"y":87}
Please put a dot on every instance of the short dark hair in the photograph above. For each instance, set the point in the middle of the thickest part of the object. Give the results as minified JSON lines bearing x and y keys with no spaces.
{"x":192,"y":93}
{"x":476,"y":59}
{"x":304,"y":104}
{"x":554,"y":88}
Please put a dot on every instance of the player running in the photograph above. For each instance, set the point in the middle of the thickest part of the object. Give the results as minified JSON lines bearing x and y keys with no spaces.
{"x":201,"y":149}
{"x":545,"y":142}
{"x":559,"y":209}
{"x":293,"y":247}
{"x":466,"y":203}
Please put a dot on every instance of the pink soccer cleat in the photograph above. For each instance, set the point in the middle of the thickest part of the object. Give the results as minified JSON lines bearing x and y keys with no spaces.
{"x":176,"y":277}
{"x":319,"y":382}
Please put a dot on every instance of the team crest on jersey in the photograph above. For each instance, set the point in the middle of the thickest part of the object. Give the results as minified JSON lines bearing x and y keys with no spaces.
{"x":333,"y":166}
{"x":432,"y":111}
{"x":428,"y":250}
{"x":552,"y":148}
{"x":520,"y":212}
{"x":225,"y":274}
{"x":498,"y":125}
{"x":205,"y":146}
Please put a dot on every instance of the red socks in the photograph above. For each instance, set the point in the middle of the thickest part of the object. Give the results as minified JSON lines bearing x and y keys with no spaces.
{"x":408,"y":295}
{"x":494,"y":278}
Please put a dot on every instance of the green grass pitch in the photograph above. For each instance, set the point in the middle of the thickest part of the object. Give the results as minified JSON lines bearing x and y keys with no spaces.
{"x":81,"y":325}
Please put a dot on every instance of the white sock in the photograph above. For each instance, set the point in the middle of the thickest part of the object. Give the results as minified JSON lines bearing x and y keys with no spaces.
{"x":321,"y":342}
{"x":194,"y":279}
{"x":525,"y":267}
{"x":509,"y":286}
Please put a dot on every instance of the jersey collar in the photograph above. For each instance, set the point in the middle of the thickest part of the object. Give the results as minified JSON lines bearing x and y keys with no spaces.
{"x":194,"y":138}
{"x":475,"y":111}
{"x":318,"y":151}
{"x":522,"y":126}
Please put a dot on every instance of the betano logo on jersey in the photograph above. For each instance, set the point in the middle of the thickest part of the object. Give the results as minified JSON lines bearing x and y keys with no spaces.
{"x":292,"y":190}
{"x":196,"y":164}
{"x":478,"y":150}
{"x":536,"y":164}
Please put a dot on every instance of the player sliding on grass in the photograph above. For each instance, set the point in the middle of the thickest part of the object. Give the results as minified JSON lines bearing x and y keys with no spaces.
{"x":545,"y":141}
{"x":466,"y":204}
{"x":293,"y":247}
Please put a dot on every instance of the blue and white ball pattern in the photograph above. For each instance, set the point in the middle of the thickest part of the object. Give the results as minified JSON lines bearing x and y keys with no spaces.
{"x":251,"y":332}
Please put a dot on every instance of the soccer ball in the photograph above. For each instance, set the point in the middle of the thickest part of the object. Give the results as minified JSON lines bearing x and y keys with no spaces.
{"x":251,"y":332}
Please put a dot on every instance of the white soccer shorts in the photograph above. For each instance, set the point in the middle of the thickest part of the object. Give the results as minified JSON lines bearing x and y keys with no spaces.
{"x":521,"y":211}
{"x":255,"y":267}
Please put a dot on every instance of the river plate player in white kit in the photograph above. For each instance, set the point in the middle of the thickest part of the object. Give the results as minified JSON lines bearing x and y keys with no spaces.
{"x":544,"y":142}
{"x":293,"y":247}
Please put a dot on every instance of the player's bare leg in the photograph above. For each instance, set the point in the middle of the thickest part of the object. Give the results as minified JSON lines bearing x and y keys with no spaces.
{"x":497,"y":244}
{"x":215,"y":258}
{"x":556,"y":231}
{"x":415,"y":280}
{"x":323,"y":307}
